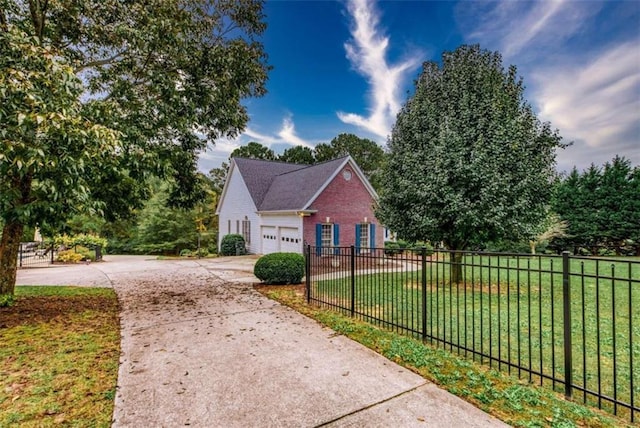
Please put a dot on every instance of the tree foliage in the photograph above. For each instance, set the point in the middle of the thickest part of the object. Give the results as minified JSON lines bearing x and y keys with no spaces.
{"x":468,"y":160}
{"x":369,"y":156}
{"x":253,"y":150}
{"x":601,"y":207}
{"x":298,"y":154}
{"x":87,"y":84}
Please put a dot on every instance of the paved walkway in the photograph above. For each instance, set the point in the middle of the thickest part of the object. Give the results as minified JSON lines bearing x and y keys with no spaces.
{"x":200,"y":347}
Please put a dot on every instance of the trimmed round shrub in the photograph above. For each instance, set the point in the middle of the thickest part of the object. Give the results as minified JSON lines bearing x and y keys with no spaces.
{"x":186,"y":253}
{"x":280,"y":268}
{"x":232,"y":245}
{"x":391,"y":248}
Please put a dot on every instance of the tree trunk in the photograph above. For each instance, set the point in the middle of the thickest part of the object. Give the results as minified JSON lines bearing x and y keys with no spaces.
{"x":9,"y":247}
{"x":532,"y":245}
{"x":455,"y":267}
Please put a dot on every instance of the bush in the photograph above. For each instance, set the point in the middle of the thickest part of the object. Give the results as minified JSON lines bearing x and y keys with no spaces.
{"x":416,"y":248}
{"x":69,"y":256}
{"x":280,"y":268}
{"x":230,"y":243}
{"x":86,"y":253}
{"x":202,"y":252}
{"x":392,"y":248}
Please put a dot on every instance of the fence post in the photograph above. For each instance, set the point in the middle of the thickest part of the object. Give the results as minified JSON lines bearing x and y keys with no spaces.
{"x":566,"y":303}
{"x":308,"y":273}
{"x":424,"y":293}
{"x":20,"y":255}
{"x":353,"y":280}
{"x":51,"y":251}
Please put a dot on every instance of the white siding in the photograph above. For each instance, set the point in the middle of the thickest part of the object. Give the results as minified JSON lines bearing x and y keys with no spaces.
{"x":237,"y":204}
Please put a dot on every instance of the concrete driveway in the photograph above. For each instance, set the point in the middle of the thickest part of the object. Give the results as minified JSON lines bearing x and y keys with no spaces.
{"x":200,"y":347}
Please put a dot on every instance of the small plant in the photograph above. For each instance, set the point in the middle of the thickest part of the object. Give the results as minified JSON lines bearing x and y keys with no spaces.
{"x":202,"y":252}
{"x":86,"y":253}
{"x":392,"y":248}
{"x":69,"y":256}
{"x":232,"y":245}
{"x":280,"y":268}
{"x":186,"y":253}
{"x":6,"y":300}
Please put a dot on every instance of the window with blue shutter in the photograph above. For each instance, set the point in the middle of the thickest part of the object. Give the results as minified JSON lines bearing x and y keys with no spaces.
{"x":318,"y":239}
{"x":336,"y":238}
{"x":372,"y":236}
{"x":358,"y":237}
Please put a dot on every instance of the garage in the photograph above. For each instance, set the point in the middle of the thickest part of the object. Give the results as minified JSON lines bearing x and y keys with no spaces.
{"x":290,"y":240}
{"x":269,"y":237}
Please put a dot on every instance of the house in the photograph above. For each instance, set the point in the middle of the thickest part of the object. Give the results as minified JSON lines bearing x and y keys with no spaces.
{"x":282,"y":207}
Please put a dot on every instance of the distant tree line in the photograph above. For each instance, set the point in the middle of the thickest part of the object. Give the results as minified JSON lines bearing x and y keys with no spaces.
{"x":601,"y":206}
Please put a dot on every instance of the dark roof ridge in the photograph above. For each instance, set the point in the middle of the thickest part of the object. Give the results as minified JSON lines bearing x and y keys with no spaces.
{"x":270,"y":161}
{"x":311,"y":166}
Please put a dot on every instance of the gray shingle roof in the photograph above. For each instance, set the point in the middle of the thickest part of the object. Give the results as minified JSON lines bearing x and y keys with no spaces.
{"x":277,"y":186}
{"x":259,"y":174}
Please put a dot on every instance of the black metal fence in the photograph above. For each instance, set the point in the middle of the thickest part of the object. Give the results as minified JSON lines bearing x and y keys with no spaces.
{"x":572,"y":323}
{"x":33,"y":254}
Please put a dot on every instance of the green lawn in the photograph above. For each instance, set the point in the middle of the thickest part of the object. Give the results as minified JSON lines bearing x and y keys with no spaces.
{"x":509,"y":311}
{"x":59,"y":351}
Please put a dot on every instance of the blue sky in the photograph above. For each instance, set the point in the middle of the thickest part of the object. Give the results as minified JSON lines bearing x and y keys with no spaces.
{"x":348,"y":66}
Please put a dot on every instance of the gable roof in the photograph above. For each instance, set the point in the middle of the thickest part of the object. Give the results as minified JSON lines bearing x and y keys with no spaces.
{"x":279,"y":186}
{"x":292,"y":190}
{"x":259,"y":174}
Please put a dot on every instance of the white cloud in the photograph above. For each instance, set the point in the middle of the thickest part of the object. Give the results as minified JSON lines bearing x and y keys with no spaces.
{"x":367,"y":53}
{"x":586,"y":84}
{"x":524,"y":29}
{"x":220,"y":151}
{"x":286,"y":135}
{"x":597,"y":103}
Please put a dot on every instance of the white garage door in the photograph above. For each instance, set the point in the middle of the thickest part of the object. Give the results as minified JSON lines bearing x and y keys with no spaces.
{"x":269,"y":237}
{"x":290,"y":240}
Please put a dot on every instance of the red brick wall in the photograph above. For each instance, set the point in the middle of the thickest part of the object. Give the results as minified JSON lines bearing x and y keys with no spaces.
{"x":346,"y":203}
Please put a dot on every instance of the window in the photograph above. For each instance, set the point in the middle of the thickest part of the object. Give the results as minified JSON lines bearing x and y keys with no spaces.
{"x":237,"y":226}
{"x":327,"y":238}
{"x":246,"y":231}
{"x":327,"y":235}
{"x":364,"y":236}
{"x":229,"y":226}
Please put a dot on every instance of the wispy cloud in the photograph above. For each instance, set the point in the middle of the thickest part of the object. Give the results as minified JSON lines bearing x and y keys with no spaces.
{"x":286,"y":135}
{"x":513,"y":26}
{"x":220,"y":151}
{"x":367,"y":53}
{"x":585,"y":85}
{"x":597,"y":103}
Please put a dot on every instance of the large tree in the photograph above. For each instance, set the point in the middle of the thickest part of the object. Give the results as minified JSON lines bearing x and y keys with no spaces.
{"x":96,"y":95}
{"x":601,"y":207}
{"x":369,"y":156}
{"x":253,"y":150}
{"x":469,"y":162}
{"x":298,"y":154}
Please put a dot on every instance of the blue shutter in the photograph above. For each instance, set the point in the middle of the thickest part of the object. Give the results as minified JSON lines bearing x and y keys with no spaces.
{"x":372,"y":236}
{"x":358,"y":236}
{"x":318,"y":239}
{"x":336,"y":238}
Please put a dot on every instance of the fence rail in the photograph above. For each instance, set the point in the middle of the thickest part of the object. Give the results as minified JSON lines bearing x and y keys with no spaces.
{"x":563,"y":321}
{"x":32,"y":254}
{"x":37,"y":254}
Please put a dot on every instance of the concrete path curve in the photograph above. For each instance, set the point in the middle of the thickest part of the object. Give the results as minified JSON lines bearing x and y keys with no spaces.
{"x":200,"y":347}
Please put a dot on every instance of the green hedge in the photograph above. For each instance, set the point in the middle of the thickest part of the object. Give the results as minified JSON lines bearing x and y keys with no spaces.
{"x":280,"y":268}
{"x":230,"y":243}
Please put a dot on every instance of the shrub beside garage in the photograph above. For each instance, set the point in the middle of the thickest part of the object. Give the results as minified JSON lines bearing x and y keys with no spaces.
{"x":280,"y":268}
